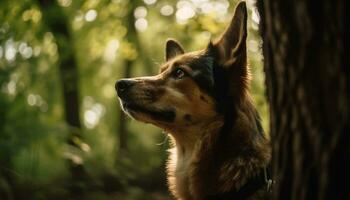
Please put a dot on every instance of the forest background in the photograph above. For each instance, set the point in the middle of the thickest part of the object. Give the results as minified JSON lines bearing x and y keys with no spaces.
{"x":62,"y":132}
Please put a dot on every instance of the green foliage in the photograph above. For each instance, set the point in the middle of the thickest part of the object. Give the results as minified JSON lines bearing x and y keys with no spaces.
{"x":106,"y":34}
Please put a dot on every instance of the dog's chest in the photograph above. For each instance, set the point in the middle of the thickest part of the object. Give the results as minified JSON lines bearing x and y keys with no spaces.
{"x":182,"y":174}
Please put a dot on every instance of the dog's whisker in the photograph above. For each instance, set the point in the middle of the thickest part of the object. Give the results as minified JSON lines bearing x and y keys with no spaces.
{"x":165,"y":139}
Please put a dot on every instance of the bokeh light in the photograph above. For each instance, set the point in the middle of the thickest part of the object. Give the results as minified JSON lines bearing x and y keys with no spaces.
{"x":141,"y":24}
{"x":150,"y":2}
{"x":167,"y":10}
{"x":90,"y":15}
{"x":140,"y":12}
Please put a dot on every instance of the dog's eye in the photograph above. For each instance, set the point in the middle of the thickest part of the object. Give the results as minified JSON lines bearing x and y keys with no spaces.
{"x":179,"y":73}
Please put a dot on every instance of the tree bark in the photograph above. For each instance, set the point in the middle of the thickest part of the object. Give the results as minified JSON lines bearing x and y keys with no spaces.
{"x":308,"y":88}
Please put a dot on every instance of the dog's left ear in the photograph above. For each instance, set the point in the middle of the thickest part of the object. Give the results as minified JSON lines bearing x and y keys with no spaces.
{"x":230,"y":52}
{"x":172,"y":49}
{"x":232,"y":44}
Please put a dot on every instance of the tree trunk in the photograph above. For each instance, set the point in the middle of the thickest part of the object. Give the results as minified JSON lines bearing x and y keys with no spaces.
{"x":58,"y":24}
{"x":128,"y":63}
{"x":308,"y":87}
{"x":133,"y":38}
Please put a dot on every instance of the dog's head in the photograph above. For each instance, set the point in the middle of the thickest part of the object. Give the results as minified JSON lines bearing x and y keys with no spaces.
{"x":194,"y":87}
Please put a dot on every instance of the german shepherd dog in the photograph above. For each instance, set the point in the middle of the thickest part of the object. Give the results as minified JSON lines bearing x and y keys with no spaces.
{"x":201,"y":99}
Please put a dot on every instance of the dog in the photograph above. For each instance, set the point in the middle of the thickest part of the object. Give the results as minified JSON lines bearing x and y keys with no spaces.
{"x":201,"y":99}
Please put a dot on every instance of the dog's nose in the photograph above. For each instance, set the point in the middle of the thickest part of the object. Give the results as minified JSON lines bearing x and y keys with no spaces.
{"x":122,"y":86}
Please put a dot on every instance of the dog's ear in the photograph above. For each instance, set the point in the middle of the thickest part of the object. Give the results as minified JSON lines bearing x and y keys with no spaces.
{"x":172,"y":49}
{"x":232,"y":43}
{"x":230,"y":53}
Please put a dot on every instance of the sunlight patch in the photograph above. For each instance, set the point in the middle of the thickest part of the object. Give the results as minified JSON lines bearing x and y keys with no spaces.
{"x":111,"y":50}
{"x":167,"y":10}
{"x":149,"y":2}
{"x":185,"y":11}
{"x":93,"y":113}
{"x":141,"y":24}
{"x":140,"y":12}
{"x":91,"y":15}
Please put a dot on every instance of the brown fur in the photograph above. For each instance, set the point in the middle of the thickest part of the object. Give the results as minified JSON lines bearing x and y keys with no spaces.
{"x":218,"y":143}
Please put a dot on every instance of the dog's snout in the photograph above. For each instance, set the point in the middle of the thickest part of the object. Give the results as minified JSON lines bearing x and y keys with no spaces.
{"x":122,"y":86}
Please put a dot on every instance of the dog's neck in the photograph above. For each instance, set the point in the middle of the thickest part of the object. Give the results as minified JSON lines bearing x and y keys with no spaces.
{"x":218,"y":150}
{"x":188,"y":138}
{"x":187,"y":143}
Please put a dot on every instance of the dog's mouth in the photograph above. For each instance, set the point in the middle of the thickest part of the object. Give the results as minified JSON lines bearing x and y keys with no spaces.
{"x":148,"y":113}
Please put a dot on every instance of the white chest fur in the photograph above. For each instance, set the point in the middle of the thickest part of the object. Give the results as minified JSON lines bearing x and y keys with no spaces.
{"x":179,"y":173}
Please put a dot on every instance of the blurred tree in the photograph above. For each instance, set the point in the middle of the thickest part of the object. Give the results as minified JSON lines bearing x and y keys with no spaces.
{"x":58,"y":24}
{"x":133,"y":38}
{"x":128,"y":62}
{"x":308,"y":86}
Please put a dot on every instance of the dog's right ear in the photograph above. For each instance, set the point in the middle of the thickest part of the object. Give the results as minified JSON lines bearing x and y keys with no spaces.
{"x":172,"y":49}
